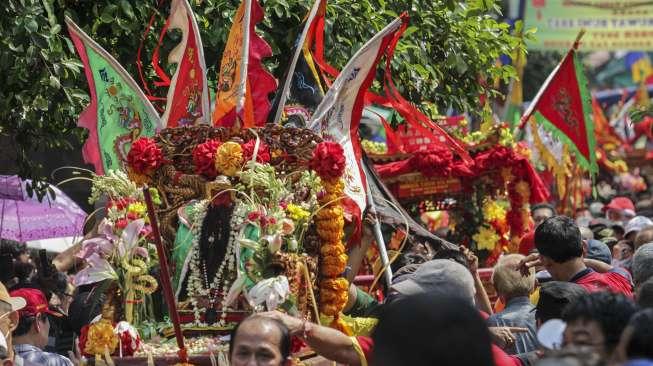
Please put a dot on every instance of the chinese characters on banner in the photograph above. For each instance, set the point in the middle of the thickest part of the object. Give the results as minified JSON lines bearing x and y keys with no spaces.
{"x":610,"y":25}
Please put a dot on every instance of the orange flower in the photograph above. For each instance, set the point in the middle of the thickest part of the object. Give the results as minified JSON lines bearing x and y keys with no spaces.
{"x":100,"y":335}
{"x":229,"y":159}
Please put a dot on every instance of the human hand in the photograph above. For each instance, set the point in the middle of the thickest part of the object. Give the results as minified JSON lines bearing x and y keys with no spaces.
{"x":472,"y":259}
{"x":368,"y":224}
{"x":531,"y":261}
{"x":505,"y":336}
{"x":75,"y":356}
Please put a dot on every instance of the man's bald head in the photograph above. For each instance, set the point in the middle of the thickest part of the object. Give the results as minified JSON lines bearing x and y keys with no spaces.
{"x":265,"y":339}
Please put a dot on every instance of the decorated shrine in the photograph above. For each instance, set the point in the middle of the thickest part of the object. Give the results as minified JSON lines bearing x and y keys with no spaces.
{"x":483,"y":202}
{"x":206,"y":217}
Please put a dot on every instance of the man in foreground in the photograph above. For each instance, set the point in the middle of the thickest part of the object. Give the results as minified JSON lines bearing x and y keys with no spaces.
{"x":261,"y":341}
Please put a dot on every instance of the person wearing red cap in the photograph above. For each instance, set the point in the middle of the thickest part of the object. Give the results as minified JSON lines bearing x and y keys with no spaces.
{"x":31,"y":335}
{"x":620,"y":209}
{"x":9,"y":307}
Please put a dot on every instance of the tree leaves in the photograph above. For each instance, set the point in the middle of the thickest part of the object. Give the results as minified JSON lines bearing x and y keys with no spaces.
{"x":448,"y":47}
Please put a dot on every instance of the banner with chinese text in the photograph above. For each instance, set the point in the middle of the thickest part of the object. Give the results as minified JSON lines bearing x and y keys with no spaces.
{"x":610,"y":25}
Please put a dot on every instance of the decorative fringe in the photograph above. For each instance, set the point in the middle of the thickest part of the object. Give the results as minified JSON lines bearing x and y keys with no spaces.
{"x":559,"y":169}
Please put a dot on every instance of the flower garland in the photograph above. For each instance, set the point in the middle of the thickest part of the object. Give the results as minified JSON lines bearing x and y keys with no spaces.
{"x":329,"y":163}
{"x":220,"y":282}
{"x":519,"y":215}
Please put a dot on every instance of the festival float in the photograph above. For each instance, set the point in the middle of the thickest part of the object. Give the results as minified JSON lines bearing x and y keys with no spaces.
{"x":209,"y":214}
{"x":490,"y":193}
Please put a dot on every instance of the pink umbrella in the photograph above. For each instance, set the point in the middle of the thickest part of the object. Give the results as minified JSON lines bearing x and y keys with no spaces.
{"x":24,"y":218}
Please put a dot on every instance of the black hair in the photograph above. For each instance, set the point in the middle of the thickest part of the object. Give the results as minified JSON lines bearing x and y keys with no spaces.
{"x":559,"y":238}
{"x":428,"y":329}
{"x":645,"y":294}
{"x":641,"y":340}
{"x":543,"y":205}
{"x":14,"y":248}
{"x":285,"y":344}
{"x":555,"y":296}
{"x":25,"y":323}
{"x":611,"y":311}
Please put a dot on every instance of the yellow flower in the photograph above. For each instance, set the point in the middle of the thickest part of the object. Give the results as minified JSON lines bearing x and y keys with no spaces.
{"x":493,"y":211}
{"x":486,"y":238}
{"x":229,"y":159}
{"x":137,"y":208}
{"x":100,"y":335}
{"x":297,"y":213}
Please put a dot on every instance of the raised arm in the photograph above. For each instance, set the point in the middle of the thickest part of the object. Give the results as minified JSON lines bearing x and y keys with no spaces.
{"x":326,"y":342}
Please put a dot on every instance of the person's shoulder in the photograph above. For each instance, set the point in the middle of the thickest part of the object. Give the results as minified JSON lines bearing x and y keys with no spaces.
{"x":55,"y":359}
{"x":494,"y":319}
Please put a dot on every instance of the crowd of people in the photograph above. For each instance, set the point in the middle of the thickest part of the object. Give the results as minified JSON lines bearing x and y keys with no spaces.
{"x":580,"y":292}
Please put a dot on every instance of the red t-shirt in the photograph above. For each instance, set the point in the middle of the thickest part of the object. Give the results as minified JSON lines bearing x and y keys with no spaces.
{"x":500,"y":357}
{"x":612,"y":281}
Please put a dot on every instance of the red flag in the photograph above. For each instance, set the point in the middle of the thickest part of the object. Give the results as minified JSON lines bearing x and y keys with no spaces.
{"x":562,"y":107}
{"x":188,"y":96}
{"x":243,"y":83}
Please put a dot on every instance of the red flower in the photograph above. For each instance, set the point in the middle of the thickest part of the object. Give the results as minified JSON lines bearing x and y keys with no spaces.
{"x":436,"y":162}
{"x":122,"y":223}
{"x":263,"y":155}
{"x":129,"y":344}
{"x":144,"y":156}
{"x":328,"y":160}
{"x":254,"y":216}
{"x":204,"y":158}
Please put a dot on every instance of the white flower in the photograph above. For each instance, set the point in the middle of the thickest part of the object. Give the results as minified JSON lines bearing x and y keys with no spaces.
{"x":271,"y":291}
{"x":274,"y":242}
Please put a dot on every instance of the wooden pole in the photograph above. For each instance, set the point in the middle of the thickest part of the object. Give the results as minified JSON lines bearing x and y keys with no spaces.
{"x":166,"y":285}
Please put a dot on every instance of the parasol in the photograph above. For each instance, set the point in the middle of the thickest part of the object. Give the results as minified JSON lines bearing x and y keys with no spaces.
{"x":25,"y":219}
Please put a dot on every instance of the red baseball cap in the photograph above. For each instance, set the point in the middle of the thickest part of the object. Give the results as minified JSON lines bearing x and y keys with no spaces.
{"x":620,"y":203}
{"x":36,"y":303}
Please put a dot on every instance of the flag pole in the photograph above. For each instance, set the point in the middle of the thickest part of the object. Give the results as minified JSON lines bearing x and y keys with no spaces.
{"x":580,"y":35}
{"x":244,"y":65}
{"x":299,"y":49}
{"x":166,"y":285}
{"x":378,"y":235}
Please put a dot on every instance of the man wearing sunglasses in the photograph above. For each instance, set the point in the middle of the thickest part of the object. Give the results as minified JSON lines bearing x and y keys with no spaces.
{"x":31,"y":335}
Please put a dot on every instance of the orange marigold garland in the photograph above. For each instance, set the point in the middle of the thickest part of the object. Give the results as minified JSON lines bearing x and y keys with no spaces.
{"x":518,"y":218}
{"x":329,"y":163}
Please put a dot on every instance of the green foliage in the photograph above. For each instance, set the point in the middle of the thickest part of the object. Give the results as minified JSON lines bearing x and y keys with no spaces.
{"x":449,"y":46}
